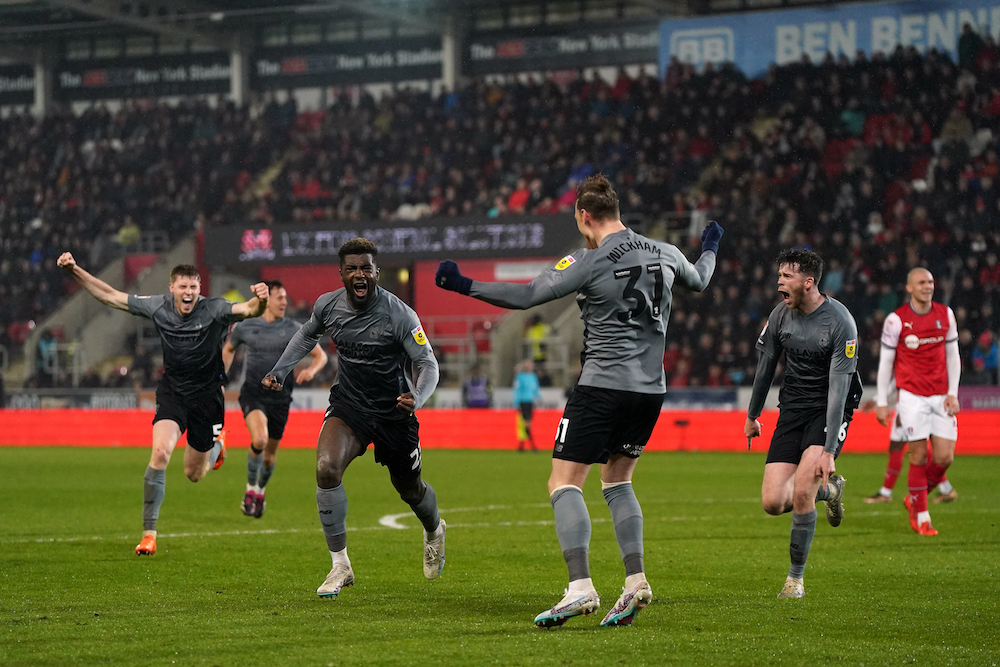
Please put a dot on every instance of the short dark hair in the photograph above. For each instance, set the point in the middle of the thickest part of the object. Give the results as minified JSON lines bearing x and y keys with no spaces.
{"x":185,"y":270}
{"x":273,"y":285}
{"x":804,"y":261}
{"x":595,"y":195}
{"x":358,"y":246}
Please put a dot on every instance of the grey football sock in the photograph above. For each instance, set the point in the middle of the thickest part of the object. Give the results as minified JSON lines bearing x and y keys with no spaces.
{"x":573,"y":530}
{"x":427,"y":509}
{"x":153,"y":484}
{"x":216,"y":452}
{"x":803,"y":529}
{"x":265,"y":474}
{"x":627,"y":517}
{"x":253,"y":466}
{"x":332,"y":506}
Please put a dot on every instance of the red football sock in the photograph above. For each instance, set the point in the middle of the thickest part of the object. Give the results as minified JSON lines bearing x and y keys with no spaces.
{"x":892,"y":470}
{"x":917,"y":482}
{"x":935,"y":474}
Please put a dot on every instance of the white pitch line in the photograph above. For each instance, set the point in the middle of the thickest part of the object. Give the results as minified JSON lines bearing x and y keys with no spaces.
{"x":391,"y":522}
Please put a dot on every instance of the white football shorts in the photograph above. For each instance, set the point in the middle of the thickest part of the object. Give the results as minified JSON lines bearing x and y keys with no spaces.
{"x":924,"y":416}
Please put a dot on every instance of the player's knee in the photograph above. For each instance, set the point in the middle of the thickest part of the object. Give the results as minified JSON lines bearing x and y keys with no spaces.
{"x":328,"y":477}
{"x":773,"y":507}
{"x":411,"y":495}
{"x":259,"y":443}
{"x":269,"y":459}
{"x":944,"y":460}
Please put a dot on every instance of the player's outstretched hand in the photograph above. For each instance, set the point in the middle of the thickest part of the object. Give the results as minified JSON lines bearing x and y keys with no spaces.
{"x":751,"y":429}
{"x":450,"y":278}
{"x":260,"y":291}
{"x":405,"y":403}
{"x":711,"y":236}
{"x":271,"y":383}
{"x":66,"y":262}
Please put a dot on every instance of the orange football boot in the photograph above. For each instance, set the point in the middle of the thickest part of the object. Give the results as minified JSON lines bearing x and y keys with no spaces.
{"x":146,"y":546}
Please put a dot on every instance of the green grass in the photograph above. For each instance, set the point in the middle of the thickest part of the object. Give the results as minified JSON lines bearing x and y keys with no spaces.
{"x":224,"y":589}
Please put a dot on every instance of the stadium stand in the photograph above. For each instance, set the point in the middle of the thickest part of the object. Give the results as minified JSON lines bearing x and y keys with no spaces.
{"x":878,"y":163}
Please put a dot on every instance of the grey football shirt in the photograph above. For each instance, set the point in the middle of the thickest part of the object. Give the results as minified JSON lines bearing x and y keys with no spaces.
{"x":382,"y":350}
{"x":263,"y":343}
{"x":192,"y":344}
{"x":815,"y":345}
{"x":624,"y":290}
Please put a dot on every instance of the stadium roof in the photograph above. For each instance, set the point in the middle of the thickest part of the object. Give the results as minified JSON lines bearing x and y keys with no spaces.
{"x":27,"y":24}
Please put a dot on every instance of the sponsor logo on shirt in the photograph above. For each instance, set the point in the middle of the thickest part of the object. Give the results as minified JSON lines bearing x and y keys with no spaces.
{"x":419,"y":335}
{"x":851,"y":348}
{"x":565,"y":263}
{"x":912,"y":342}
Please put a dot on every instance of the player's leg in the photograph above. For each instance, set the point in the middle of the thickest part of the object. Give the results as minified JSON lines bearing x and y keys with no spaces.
{"x":206,"y":449}
{"x":256,"y":422}
{"x":944,"y":433}
{"x":892,"y":469}
{"x":782,"y":460}
{"x":916,"y":501}
{"x":777,"y":487}
{"x":573,"y":530}
{"x":626,"y":514}
{"x":522,"y":434}
{"x":277,"y":418}
{"x":633,"y":429}
{"x":397,"y":447}
{"x":806,"y":483}
{"x":166,"y":433}
{"x":336,"y":447}
{"x":527,"y":412}
{"x":915,"y":415}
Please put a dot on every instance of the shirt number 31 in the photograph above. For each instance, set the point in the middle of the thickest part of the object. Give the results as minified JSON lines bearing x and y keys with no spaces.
{"x":642,"y":301}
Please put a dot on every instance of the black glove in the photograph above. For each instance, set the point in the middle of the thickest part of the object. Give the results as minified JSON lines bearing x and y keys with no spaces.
{"x":450,"y":278}
{"x":710,"y":237}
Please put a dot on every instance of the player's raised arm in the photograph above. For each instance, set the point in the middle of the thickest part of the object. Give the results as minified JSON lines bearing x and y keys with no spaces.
{"x":97,"y":288}
{"x":566,"y":277}
{"x":255,"y":306}
{"x":696,"y":276}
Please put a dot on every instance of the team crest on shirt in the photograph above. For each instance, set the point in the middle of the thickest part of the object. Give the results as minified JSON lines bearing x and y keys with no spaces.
{"x":851,"y":348}
{"x":419,"y":335}
{"x":823,"y":339}
{"x":374,"y":333}
{"x":565,"y":263}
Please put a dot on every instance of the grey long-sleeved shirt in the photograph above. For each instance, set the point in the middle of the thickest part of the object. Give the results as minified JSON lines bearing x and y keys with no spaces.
{"x":624,"y":290}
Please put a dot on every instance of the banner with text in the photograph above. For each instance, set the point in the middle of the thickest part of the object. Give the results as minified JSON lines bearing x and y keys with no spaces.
{"x":427,"y":238}
{"x":755,"y":40}
{"x":405,"y":59}
{"x":17,"y":84}
{"x":190,"y":74}
{"x":593,"y":47}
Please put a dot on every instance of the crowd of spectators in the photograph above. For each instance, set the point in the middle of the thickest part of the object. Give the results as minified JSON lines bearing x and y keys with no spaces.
{"x":92,"y":184}
{"x":879,"y":163}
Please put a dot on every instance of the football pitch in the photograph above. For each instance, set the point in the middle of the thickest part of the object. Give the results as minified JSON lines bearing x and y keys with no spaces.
{"x":225,"y":589}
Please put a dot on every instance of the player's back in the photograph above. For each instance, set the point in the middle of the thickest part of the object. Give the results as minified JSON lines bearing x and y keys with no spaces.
{"x":625,"y":302}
